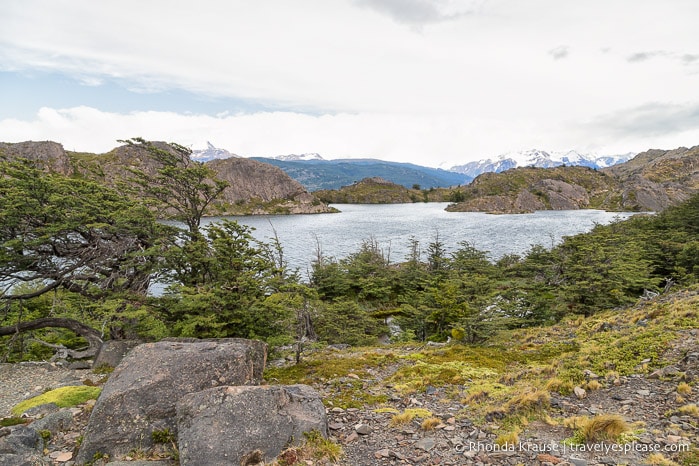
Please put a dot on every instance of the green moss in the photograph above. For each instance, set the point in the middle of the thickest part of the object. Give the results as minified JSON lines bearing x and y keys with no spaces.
{"x":421,"y":374}
{"x":328,"y":365}
{"x":12,"y":421}
{"x":63,"y":397}
{"x":162,"y":436}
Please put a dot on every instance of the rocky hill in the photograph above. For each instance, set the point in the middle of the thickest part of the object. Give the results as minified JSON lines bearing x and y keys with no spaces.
{"x":651,"y":181}
{"x":254,"y":187}
{"x":47,"y":154}
{"x":377,"y":190}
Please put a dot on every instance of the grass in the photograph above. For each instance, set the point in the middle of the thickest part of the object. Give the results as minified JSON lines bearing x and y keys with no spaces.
{"x":12,"y":421}
{"x":529,"y":402}
{"x":508,"y":381}
{"x":408,"y":415}
{"x":608,"y":427}
{"x":508,"y":438}
{"x":315,"y":449}
{"x":658,"y":459}
{"x":430,"y":423}
{"x":690,"y":410}
{"x":63,"y":397}
{"x":684,"y":388}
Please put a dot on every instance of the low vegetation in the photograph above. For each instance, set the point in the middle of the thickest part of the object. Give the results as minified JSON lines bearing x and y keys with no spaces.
{"x":500,"y":337}
{"x":63,"y":397}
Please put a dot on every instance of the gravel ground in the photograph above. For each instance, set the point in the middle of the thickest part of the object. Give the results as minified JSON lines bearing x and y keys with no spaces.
{"x":24,"y":380}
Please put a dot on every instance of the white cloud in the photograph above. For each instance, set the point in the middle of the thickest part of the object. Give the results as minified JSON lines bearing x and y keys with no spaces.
{"x":476,"y":78}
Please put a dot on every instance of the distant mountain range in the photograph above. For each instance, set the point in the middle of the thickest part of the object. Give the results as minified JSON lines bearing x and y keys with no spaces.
{"x":316,"y":173}
{"x":540,"y":159}
{"x":319,"y":174}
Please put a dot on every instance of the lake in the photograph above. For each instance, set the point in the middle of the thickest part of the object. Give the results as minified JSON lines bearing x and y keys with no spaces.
{"x":393,"y":225}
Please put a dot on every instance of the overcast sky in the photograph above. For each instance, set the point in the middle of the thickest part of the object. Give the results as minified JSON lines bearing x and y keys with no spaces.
{"x":434,"y":82}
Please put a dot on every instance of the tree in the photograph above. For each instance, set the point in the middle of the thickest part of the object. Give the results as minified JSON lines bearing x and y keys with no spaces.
{"x":180,"y":186}
{"x":73,"y":234}
{"x":71,"y":237}
{"x":219,"y":286}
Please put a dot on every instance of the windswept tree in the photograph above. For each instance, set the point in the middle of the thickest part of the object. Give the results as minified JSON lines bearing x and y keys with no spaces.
{"x":72,"y":236}
{"x":181,"y":187}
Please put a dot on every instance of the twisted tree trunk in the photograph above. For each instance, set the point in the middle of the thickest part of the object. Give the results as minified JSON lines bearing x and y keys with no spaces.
{"x":93,"y":337}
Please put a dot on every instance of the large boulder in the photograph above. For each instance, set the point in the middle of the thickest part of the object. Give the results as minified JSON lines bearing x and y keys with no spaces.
{"x":229,"y":425}
{"x":20,"y":446}
{"x":112,"y":352}
{"x":140,"y":396}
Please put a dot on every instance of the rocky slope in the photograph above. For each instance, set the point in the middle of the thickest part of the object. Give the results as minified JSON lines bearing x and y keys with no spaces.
{"x":254,"y":187}
{"x":47,"y":154}
{"x":510,"y":402}
{"x":377,"y":190}
{"x":651,"y":181}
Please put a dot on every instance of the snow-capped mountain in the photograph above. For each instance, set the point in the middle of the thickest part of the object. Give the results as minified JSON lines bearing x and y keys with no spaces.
{"x":211,"y":152}
{"x":538,"y":158}
{"x":299,"y":157}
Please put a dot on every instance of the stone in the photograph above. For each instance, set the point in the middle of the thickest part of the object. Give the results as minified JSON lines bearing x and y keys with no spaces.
{"x":667,"y":371}
{"x":383,"y":453}
{"x":362,"y":429}
{"x":21,"y":447}
{"x":113,"y":351}
{"x":643,"y":392}
{"x":141,"y":394}
{"x":426,"y":444}
{"x":579,"y":392}
{"x":40,"y":411}
{"x":335,"y":426}
{"x":54,"y":422}
{"x":225,"y":425}
{"x":64,"y":456}
{"x":545,"y":457}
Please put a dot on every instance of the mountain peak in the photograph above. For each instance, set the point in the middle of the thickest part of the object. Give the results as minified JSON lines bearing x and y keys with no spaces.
{"x":538,"y":158}
{"x":299,"y":157}
{"x":211,"y":153}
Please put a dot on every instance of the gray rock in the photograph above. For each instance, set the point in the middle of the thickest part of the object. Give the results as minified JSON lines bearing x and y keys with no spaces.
{"x":578,"y":462}
{"x":362,"y":429}
{"x":55,"y":422}
{"x":79,"y":365}
{"x":113,"y":351}
{"x":22,"y":447}
{"x":225,"y":425}
{"x":140,"y":396}
{"x":579,"y":392}
{"x":40,"y":411}
{"x":426,"y":444}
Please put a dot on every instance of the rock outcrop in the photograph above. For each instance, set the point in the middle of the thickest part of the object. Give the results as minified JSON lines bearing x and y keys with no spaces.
{"x":140,"y":396}
{"x":20,"y":446}
{"x":46,"y":154}
{"x":231,"y":425}
{"x":651,"y":181}
{"x":254,"y":187}
{"x":112,"y":352}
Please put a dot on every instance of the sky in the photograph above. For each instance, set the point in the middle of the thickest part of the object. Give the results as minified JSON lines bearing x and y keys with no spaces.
{"x":432,"y":82}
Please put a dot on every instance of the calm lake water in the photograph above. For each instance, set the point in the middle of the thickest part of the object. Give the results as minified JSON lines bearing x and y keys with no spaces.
{"x":392,"y":226}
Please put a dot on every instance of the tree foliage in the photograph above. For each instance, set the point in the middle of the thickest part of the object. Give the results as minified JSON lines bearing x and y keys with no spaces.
{"x":180,"y":186}
{"x":72,"y":234}
{"x":75,"y":253}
